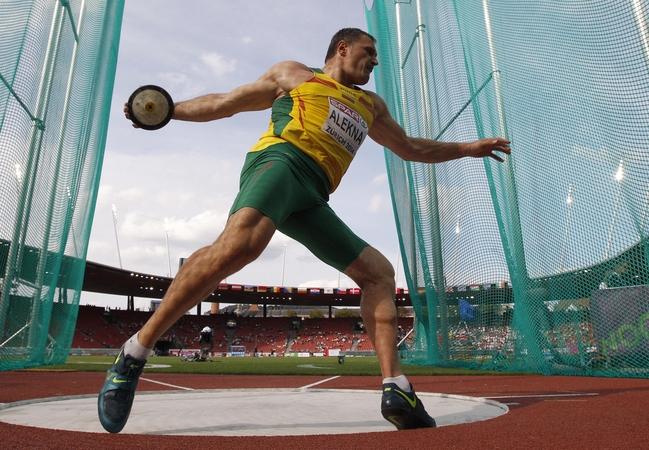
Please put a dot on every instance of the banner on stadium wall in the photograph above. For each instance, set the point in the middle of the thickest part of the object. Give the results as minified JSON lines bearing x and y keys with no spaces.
{"x":621,"y":332}
{"x":237,"y":350}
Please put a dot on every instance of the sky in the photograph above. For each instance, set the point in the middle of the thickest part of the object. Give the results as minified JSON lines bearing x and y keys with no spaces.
{"x":176,"y":185}
{"x":172,"y":188}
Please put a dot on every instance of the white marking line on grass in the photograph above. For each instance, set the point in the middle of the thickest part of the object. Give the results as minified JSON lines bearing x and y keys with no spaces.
{"x":545,"y":395}
{"x":166,"y":384}
{"x":304,"y":388}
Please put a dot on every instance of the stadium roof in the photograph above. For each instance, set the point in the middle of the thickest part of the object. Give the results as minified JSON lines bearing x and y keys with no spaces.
{"x":112,"y":280}
{"x":104,"y":279}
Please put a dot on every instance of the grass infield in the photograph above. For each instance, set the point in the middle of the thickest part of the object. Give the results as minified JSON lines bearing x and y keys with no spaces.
{"x":325,"y":366}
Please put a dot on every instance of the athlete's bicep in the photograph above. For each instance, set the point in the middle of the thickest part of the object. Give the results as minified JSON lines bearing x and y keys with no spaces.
{"x":274,"y":83}
{"x":386,"y":131}
{"x":254,"y":96}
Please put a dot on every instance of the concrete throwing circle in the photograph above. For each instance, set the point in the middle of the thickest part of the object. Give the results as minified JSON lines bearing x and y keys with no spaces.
{"x":246,"y":412}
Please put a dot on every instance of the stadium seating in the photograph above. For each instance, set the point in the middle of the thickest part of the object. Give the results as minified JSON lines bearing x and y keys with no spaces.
{"x":95,"y":330}
{"x":317,"y":335}
{"x":266,"y":334}
{"x":99,"y":328}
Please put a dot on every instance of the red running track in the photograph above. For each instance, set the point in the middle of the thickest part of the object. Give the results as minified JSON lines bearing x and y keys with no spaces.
{"x":545,"y":413}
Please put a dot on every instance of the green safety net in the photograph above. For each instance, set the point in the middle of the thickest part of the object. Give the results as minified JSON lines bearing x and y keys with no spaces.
{"x":539,"y":263}
{"x":57,"y":68}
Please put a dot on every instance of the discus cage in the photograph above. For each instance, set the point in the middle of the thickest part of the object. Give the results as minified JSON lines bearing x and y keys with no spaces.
{"x":57,"y":70}
{"x":539,"y":263}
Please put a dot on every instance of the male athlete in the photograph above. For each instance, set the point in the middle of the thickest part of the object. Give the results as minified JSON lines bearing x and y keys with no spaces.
{"x":319,"y":118}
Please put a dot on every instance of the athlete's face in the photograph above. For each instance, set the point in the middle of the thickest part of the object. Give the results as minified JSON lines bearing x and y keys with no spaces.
{"x":361,"y":60}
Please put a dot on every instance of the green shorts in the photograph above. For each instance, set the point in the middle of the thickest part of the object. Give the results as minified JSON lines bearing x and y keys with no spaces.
{"x":290,"y":188}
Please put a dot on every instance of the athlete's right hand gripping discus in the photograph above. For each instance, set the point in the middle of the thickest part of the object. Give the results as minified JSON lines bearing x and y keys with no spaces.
{"x":150,"y":107}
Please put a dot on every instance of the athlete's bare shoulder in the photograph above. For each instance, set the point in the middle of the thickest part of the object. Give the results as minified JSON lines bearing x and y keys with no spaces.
{"x":379,"y":104}
{"x":288,"y":75}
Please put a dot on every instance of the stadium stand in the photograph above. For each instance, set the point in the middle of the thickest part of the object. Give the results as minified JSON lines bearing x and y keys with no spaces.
{"x":186,"y":332}
{"x":266,"y":334}
{"x":96,"y":328}
{"x":100,"y":328}
{"x":317,"y":335}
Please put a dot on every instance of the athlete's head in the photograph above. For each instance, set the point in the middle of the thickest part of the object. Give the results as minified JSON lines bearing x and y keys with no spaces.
{"x":350,"y":36}
{"x":352,"y":56}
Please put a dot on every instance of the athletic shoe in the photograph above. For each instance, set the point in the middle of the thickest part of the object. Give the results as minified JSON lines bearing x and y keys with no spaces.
{"x":116,"y":396}
{"x":404,"y":409}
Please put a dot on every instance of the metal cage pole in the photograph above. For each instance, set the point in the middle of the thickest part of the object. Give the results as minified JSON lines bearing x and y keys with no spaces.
{"x":14,"y":260}
{"x":437,"y":259}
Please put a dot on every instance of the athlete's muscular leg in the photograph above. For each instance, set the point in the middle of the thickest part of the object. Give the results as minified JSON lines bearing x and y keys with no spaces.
{"x":375,"y":276}
{"x":246,"y":235}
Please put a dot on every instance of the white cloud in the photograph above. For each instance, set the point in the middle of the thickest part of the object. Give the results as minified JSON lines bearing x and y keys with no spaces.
{"x":101,"y":246}
{"x":181,"y":86}
{"x":132,"y":194}
{"x":136,"y":226}
{"x":247,"y":40}
{"x":218,"y":63}
{"x":380,"y":179}
{"x":207,"y":223}
{"x":376,"y":204}
{"x":175,"y":78}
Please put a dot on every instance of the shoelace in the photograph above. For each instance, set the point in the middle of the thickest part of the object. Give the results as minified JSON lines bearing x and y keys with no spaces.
{"x":132,"y":372}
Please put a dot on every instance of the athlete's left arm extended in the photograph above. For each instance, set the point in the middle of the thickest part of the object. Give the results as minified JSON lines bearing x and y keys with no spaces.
{"x":255,"y":96}
{"x":388,"y":133}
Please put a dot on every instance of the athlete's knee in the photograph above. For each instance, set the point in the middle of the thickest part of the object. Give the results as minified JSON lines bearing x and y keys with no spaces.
{"x":372,"y":269}
{"x":239,"y":250}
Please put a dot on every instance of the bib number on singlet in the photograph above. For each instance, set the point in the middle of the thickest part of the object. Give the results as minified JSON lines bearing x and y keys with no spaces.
{"x":345,"y":126}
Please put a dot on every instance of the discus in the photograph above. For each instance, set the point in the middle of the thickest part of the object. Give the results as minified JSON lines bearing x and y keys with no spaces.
{"x":150,"y":107}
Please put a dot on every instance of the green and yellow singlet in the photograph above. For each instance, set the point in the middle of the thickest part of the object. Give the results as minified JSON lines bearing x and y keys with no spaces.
{"x":325,"y":119}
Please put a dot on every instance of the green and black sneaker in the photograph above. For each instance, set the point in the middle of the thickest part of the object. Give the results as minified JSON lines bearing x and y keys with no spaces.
{"x":404,"y":409}
{"x":116,"y":396}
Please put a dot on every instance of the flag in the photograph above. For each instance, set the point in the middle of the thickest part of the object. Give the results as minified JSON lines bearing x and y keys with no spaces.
{"x":486,"y":286}
{"x":355,"y":291}
{"x":249,"y":289}
{"x":276,"y":289}
{"x":461,"y":288}
{"x":235,"y":287}
{"x":449,"y":288}
{"x":287,"y":290}
{"x":262,"y":289}
{"x":341,"y":291}
{"x":328,"y":290}
{"x":467,"y":311}
{"x":314,"y":291}
{"x":224,"y":286}
{"x":302,"y":290}
{"x":474,"y":287}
